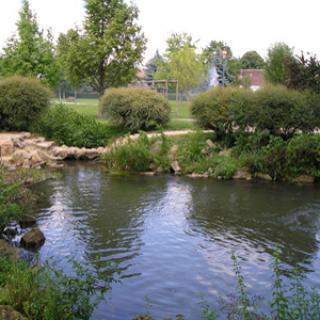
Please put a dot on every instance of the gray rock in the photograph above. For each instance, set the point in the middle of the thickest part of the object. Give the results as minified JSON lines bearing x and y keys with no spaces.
{"x":175,"y":167}
{"x":33,"y":239}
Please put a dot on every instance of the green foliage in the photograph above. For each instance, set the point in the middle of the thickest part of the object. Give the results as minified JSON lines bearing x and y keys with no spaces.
{"x":22,"y":100}
{"x":106,"y":53}
{"x":181,"y":63}
{"x":303,"y":155}
{"x":304,"y":72}
{"x":47,"y":293}
{"x":270,"y":158}
{"x":31,"y":53}
{"x":252,"y":60}
{"x":135,"y":108}
{"x":66,"y":126}
{"x":281,"y":111}
{"x":9,"y":195}
{"x":276,"y":68}
{"x":274,"y":109}
{"x":220,"y":108}
{"x":133,"y":156}
{"x":225,"y":167}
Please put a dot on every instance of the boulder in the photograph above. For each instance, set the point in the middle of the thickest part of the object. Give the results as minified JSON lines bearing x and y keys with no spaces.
{"x":242,"y":175}
{"x":175,"y":167}
{"x":198,"y":175}
{"x":173,"y":153}
{"x":27,"y":221}
{"x":304,"y":179}
{"x":8,"y":313}
{"x":33,"y":239}
{"x":7,"y":250}
{"x":7,"y":148}
{"x":263,"y":176}
{"x":225,"y":153}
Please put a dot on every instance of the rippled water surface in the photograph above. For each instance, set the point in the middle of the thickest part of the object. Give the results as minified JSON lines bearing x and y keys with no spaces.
{"x":172,"y":237}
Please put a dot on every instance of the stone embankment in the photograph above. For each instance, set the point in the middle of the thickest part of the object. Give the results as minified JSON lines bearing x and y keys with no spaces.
{"x":22,"y":150}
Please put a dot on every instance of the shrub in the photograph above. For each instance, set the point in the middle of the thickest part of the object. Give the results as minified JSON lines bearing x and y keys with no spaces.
{"x":220,"y":108}
{"x":270,"y":159}
{"x":21,"y":102}
{"x":303,"y":155}
{"x":133,"y":156}
{"x":135,"y":108}
{"x":66,"y":126}
{"x":225,"y":167}
{"x":280,"y":111}
{"x":47,"y":293}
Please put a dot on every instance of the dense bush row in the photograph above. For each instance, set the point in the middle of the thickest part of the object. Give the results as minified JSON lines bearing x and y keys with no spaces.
{"x":135,"y":108}
{"x":66,"y":126}
{"x":22,"y":100}
{"x":276,"y":109}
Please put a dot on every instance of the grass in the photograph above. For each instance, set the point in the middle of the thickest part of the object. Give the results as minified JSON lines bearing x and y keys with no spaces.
{"x":180,"y":112}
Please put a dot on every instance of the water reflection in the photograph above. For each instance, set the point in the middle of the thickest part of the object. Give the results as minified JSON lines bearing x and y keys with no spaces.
{"x":173,"y":237}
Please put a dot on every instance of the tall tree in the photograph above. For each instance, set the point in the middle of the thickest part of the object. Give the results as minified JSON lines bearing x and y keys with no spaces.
{"x":31,"y":51}
{"x":178,"y":41}
{"x":181,"y":62}
{"x":218,"y":55}
{"x":152,"y":66}
{"x":304,"y":73}
{"x":279,"y":57}
{"x":252,"y":60}
{"x":108,"y":49}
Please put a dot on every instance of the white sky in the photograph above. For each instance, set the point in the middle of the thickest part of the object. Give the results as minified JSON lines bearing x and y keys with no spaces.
{"x":243,"y":24}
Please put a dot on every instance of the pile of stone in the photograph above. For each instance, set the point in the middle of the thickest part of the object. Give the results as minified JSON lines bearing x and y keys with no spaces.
{"x":22,"y":150}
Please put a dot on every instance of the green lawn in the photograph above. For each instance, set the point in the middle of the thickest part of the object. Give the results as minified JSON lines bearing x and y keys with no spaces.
{"x":180,"y":115}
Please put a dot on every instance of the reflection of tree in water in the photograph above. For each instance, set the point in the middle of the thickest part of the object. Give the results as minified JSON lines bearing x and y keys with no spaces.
{"x":260,"y":215}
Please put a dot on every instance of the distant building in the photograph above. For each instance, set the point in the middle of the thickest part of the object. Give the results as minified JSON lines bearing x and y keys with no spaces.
{"x":255,"y":77}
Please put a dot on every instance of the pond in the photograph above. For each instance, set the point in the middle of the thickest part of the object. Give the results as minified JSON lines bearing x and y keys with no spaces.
{"x":172,"y":237}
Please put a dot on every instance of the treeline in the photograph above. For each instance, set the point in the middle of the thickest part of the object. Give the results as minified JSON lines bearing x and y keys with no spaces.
{"x":101,"y":54}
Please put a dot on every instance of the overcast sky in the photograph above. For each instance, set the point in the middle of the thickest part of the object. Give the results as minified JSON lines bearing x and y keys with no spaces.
{"x":243,"y":24}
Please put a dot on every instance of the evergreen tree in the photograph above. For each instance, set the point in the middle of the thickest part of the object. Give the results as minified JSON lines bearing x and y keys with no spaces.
{"x":30,"y":52}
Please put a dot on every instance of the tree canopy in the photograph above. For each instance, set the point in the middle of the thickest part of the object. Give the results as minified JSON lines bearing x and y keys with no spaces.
{"x":279,"y":56}
{"x":108,"y":49}
{"x":252,"y":60}
{"x":31,"y":51}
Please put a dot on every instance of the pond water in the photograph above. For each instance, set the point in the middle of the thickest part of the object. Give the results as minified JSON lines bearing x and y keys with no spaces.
{"x":172,"y":237}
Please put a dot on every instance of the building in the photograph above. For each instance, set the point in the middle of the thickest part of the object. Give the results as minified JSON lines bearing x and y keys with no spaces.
{"x":255,"y":77}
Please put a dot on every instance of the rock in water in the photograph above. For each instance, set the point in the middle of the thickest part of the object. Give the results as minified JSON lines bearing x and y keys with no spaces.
{"x":33,"y":239}
{"x":8,"y":313}
{"x":27,"y":221}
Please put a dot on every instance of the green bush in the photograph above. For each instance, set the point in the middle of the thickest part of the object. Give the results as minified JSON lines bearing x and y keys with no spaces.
{"x":47,"y":293}
{"x":135,"y":109}
{"x":225,"y":167}
{"x":280,"y":111}
{"x":133,"y":156}
{"x":303,"y":155}
{"x":219,"y":108}
{"x":270,"y":159}
{"x":22,"y":100}
{"x":66,"y":126}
